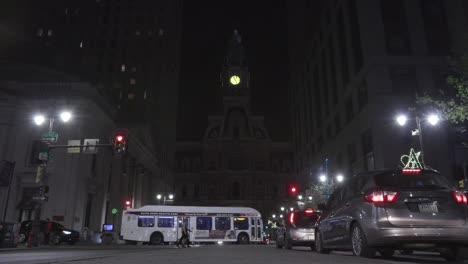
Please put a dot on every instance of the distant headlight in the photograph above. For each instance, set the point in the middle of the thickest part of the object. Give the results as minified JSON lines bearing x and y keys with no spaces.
{"x":66,"y":232}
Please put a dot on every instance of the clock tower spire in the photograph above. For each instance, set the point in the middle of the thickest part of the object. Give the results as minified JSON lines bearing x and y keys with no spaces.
{"x":235,"y":76}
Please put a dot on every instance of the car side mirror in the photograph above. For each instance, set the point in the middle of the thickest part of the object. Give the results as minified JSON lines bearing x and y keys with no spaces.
{"x":322,"y":207}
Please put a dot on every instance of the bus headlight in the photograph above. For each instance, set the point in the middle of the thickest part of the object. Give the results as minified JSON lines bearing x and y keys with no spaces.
{"x":66,"y":232}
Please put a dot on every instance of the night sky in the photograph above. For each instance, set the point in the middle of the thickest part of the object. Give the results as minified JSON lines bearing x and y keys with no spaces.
{"x":207,"y":26}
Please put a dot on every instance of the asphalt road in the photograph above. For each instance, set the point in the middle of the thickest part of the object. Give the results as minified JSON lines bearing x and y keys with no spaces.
{"x":206,"y":254}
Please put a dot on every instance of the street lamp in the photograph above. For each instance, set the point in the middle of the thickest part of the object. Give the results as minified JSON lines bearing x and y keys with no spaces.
{"x":432,"y":119}
{"x":165,"y":198}
{"x":39,"y":119}
{"x":339,"y":178}
{"x":282,"y":208}
{"x":323,"y":178}
{"x":299,"y":197}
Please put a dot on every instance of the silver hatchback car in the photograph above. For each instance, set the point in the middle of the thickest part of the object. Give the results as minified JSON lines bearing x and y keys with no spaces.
{"x":395,"y":209}
{"x":297,"y":229}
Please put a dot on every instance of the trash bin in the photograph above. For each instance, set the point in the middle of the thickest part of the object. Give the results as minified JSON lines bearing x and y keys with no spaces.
{"x":9,"y":234}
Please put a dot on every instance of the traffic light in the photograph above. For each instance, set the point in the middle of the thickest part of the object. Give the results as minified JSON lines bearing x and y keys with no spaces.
{"x":293,"y":190}
{"x":128,"y":203}
{"x":120,"y":143}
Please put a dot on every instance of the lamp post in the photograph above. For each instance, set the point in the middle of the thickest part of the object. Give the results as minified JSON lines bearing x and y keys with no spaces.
{"x":164,"y":197}
{"x":432,"y":119}
{"x":39,"y":119}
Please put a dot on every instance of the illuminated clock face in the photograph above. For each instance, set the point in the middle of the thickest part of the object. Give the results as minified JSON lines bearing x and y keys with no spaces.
{"x":235,"y":80}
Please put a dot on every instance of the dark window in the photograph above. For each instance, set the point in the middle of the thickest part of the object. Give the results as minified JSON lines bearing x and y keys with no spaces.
{"x":343,"y":49}
{"x":235,"y":190}
{"x":146,"y":221}
{"x":435,"y":26}
{"x":318,"y":100}
{"x":362,"y":95}
{"x":424,"y":181}
{"x":334,"y":88}
{"x":222,"y":223}
{"x":352,"y":152}
{"x":204,"y":223}
{"x":329,"y":132}
{"x":337,"y":124}
{"x":196,"y":191}
{"x":465,"y":9}
{"x":349,"y":109}
{"x":325,"y":87}
{"x":356,"y":36}
{"x":235,"y":132}
{"x":241,"y":223}
{"x":366,"y":139}
{"x":184,"y":191}
{"x":395,"y":26}
{"x":404,"y":80}
{"x":165,"y":221}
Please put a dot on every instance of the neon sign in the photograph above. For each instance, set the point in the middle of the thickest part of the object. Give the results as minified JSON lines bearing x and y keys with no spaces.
{"x":411,"y":161}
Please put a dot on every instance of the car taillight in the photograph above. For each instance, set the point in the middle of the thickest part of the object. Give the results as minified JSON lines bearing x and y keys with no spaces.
{"x":460,"y":197}
{"x":379,"y":196}
{"x":309,"y":211}
{"x":291,"y":218}
{"x":411,"y":171}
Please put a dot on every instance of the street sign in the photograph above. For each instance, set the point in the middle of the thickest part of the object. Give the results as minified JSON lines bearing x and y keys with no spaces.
{"x":90,"y":145}
{"x":44,"y":156}
{"x":74,"y":142}
{"x":50,"y":137}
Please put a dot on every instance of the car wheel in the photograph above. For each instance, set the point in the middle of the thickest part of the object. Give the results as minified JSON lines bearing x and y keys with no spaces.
{"x":55,"y":240}
{"x":319,"y":243}
{"x":386,"y":252}
{"x":22,"y":238}
{"x":243,"y":239}
{"x":156,"y":239}
{"x":359,"y":243}
{"x":452,"y":254}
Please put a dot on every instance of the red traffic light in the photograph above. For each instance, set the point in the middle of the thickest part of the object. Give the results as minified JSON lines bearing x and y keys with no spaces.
{"x":128,"y":203}
{"x":293,"y":189}
{"x":119,"y":138}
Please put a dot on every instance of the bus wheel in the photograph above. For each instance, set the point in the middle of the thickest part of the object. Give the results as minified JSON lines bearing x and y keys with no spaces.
{"x":243,"y":239}
{"x":156,"y":239}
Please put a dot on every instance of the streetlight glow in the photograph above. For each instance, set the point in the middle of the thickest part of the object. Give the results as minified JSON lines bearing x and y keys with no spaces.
{"x":291,"y":209}
{"x":274,"y":216}
{"x":281,"y":216}
{"x":323,"y":178}
{"x":299,"y":197}
{"x":158,"y":197}
{"x":39,"y":119}
{"x":401,"y":120}
{"x":433,"y":119}
{"x":171,"y":196}
{"x":65,"y":116}
{"x":339,"y":178}
{"x":282,"y":208}
{"x":310,"y":198}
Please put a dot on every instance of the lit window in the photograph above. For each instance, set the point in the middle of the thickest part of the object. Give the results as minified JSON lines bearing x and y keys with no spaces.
{"x":66,"y":11}
{"x":49,"y":32}
{"x":122,"y":68}
{"x":81,"y":44}
{"x":40,"y":32}
{"x":132,"y":81}
{"x":144,"y":95}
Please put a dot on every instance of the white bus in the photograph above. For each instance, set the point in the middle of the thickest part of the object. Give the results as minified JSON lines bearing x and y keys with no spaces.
{"x":156,"y":224}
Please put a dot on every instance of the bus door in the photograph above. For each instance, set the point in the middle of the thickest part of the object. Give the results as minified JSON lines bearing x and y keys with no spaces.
{"x":255,"y":228}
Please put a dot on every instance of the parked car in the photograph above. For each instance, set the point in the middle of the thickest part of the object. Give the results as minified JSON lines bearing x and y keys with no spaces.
{"x":298,"y":229}
{"x":395,"y":209}
{"x":59,"y":233}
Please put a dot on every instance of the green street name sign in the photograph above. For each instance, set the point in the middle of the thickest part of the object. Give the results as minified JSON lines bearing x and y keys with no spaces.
{"x":50,"y":137}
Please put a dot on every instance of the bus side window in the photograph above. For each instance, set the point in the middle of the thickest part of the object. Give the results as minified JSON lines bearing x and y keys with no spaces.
{"x":204,"y":223}
{"x":241,"y":223}
{"x":146,"y":221}
{"x":222,"y":223}
{"x":165,"y":221}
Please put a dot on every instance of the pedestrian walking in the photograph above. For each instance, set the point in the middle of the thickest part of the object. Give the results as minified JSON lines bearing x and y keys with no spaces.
{"x":184,"y":239}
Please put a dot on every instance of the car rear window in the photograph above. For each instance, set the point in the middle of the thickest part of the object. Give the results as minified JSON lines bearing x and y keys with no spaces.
{"x":303,"y":220}
{"x":423,"y":181}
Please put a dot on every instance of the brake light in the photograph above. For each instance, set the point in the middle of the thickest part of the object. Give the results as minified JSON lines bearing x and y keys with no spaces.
{"x":309,"y":211}
{"x":379,"y":196}
{"x":411,"y":171}
{"x":291,"y":218}
{"x":460,"y":197}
